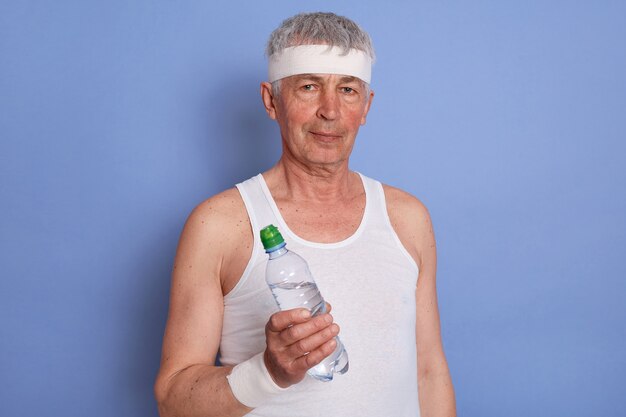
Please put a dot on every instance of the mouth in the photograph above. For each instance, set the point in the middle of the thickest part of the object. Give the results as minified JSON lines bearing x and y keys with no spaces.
{"x":325,"y":136}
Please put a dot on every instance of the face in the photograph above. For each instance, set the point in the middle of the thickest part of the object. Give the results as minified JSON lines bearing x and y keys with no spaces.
{"x":319,"y":115}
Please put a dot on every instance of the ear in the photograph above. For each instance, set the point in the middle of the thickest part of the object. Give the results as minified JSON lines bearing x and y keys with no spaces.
{"x":367,"y":107}
{"x":268,"y":99}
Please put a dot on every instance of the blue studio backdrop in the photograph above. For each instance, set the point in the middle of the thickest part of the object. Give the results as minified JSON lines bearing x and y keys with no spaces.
{"x":507,"y":119}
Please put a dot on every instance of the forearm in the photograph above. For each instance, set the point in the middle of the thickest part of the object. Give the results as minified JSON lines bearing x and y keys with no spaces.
{"x":200,"y":390}
{"x":436,"y":393}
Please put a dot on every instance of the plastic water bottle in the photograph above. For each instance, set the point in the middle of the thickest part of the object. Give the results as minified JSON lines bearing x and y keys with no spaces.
{"x":293,"y":286}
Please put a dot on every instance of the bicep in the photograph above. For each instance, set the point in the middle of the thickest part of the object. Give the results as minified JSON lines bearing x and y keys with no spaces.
{"x":427,"y":322}
{"x":194,"y":323}
{"x":411,"y":221}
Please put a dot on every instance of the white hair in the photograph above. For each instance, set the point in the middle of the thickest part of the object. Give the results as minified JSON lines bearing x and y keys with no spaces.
{"x":318,"y":29}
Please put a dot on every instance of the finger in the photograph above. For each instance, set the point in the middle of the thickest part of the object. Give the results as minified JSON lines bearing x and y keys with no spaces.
{"x":307,"y":345}
{"x":316,"y":356}
{"x":283,"y":319}
{"x":296,"y":332}
{"x":328,"y":307}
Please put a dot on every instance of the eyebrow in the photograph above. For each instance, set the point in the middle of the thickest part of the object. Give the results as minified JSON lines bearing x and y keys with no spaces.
{"x":349,"y":79}
{"x":317,"y":78}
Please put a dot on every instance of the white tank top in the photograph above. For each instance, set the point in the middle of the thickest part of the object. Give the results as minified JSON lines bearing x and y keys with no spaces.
{"x":370,"y":279}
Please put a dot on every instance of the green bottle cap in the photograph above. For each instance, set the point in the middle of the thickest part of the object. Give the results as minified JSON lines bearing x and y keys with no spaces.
{"x":271,"y":238}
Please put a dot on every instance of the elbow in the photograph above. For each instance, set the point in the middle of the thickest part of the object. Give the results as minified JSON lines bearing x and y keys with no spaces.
{"x":165,"y":392}
{"x":432,"y":366}
{"x":161,"y":390}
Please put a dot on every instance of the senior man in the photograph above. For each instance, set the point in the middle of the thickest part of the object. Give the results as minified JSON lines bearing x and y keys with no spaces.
{"x":370,"y":246}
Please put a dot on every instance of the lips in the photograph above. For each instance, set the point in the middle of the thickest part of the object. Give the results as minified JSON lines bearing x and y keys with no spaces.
{"x":325,"y":136}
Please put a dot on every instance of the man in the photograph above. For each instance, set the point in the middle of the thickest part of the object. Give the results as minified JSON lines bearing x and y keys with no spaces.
{"x":370,"y":247}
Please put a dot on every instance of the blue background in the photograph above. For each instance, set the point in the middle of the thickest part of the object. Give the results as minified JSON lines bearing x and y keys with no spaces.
{"x":506,"y":118}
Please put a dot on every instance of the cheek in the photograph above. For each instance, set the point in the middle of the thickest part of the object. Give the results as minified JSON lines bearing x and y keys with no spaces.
{"x":355,"y":118}
{"x":298,"y":117}
{"x":353,"y":112}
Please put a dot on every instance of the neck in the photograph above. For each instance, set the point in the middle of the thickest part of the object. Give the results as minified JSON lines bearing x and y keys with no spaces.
{"x":279,"y":252}
{"x":310,"y":183}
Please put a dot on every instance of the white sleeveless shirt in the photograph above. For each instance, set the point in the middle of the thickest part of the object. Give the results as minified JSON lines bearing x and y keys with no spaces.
{"x":370,"y":279}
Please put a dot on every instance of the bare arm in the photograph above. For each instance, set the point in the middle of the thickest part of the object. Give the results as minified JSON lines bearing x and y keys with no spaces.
{"x":188,"y":383}
{"x":412,"y":223}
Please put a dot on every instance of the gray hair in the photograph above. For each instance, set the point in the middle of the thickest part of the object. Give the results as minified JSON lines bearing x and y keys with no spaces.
{"x":318,"y":28}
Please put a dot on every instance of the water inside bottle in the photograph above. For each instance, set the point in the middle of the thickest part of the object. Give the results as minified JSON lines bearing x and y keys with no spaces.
{"x":290,"y":295}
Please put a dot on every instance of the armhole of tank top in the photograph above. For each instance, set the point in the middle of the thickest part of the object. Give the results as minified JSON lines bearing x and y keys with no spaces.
{"x":255,"y":243}
{"x":405,"y":252}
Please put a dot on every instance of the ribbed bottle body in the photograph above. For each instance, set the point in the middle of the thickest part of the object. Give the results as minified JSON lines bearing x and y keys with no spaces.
{"x":292,"y":284}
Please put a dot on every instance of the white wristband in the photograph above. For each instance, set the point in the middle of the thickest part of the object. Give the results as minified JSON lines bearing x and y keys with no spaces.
{"x":252,"y":383}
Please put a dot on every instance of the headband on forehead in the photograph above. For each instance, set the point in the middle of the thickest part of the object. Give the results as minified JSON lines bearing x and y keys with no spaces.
{"x":319,"y":59}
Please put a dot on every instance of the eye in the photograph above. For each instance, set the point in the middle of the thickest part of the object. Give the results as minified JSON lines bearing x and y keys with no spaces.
{"x":348,"y":90}
{"x":308,"y":87}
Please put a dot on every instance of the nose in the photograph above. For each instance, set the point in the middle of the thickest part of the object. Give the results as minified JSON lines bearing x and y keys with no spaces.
{"x":328,"y":108}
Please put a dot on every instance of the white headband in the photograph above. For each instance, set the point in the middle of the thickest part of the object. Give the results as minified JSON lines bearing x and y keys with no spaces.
{"x":319,"y":59}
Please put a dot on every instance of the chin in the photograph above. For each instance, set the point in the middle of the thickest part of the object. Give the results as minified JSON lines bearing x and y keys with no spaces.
{"x":325,"y":159}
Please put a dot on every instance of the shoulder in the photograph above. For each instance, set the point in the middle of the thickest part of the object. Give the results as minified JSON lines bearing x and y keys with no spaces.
{"x":216,"y":226}
{"x":221,"y":208}
{"x":410,"y":220}
{"x":220,"y":214}
{"x":406,"y":203}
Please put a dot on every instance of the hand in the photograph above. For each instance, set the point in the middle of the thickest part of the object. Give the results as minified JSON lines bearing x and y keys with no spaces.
{"x":297,"y":342}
